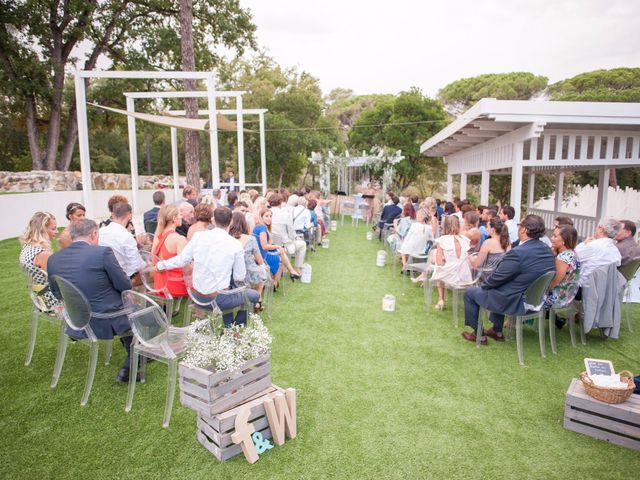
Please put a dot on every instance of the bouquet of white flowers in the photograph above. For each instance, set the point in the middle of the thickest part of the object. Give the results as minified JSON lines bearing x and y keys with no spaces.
{"x":229,"y":350}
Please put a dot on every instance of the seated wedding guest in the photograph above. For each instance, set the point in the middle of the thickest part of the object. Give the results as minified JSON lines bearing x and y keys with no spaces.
{"x":599,"y":250}
{"x":208,"y":199}
{"x":493,"y":249}
{"x":625,"y":242}
{"x":448,"y":209}
{"x":507,"y":214}
{"x":503,"y":292}
{"x":94,"y":270}
{"x":487,"y":214}
{"x":246,"y":209}
{"x":36,"y":250}
{"x":116,"y":236}
{"x":253,"y":194}
{"x":389,"y":213}
{"x":216,"y":193}
{"x":167,"y":243}
{"x":431,"y":208}
{"x":186,"y":213}
{"x":312,"y":204}
{"x":401,"y":226}
{"x":75,"y":211}
{"x":439,"y":208}
{"x":302,"y":218}
{"x":450,"y":260}
{"x":562,"y":221}
{"x":216,"y":256}
{"x":189,"y":195}
{"x":564,"y":285}
{"x":272,"y":254}
{"x":202,"y":215}
{"x":282,"y":224}
{"x":471,"y":231}
{"x":253,"y":262}
{"x":158,"y":201}
{"x":110,"y":203}
{"x":232,"y":198}
{"x":420,"y":234}
{"x":482,"y":222}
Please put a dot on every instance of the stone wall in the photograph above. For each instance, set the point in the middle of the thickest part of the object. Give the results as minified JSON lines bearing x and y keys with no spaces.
{"x":56,"y":181}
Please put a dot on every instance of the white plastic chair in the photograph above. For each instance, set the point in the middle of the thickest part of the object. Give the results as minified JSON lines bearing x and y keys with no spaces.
{"x":347,"y":208}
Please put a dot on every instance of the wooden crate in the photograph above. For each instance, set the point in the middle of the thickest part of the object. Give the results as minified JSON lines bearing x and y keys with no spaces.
{"x":619,"y":424}
{"x":210,"y":393}
{"x":214,"y":433}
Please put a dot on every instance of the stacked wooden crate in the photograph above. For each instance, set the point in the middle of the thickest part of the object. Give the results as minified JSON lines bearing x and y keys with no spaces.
{"x":217,"y":396}
{"x":619,"y":424}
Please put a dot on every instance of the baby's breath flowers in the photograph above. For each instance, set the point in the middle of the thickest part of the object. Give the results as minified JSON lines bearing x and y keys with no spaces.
{"x":229,"y":350}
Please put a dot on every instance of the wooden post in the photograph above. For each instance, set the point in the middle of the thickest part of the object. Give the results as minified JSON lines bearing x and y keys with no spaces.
{"x":559,"y":194}
{"x":532,"y":190}
{"x":449,"y":187}
{"x":243,"y":433}
{"x":603,"y":193}
{"x":463,"y":186}
{"x":516,"y":181}
{"x":484,"y":187}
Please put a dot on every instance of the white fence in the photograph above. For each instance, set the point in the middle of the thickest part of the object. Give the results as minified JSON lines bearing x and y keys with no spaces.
{"x":20,"y":207}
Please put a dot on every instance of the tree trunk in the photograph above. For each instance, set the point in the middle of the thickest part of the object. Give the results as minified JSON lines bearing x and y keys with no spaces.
{"x":191,"y":138}
{"x":280,"y":177}
{"x":55,"y":118}
{"x":32,"y":134}
{"x":613,"y":178}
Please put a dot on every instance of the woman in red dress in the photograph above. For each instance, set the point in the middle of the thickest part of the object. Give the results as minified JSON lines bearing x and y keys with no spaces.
{"x":167,"y":244}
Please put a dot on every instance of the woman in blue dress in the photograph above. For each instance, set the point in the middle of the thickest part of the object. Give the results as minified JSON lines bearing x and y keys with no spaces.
{"x":272,"y":254}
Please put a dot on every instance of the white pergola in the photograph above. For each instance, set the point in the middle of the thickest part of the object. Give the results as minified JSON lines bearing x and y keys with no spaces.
{"x":239,"y":111}
{"x":212,"y":112}
{"x":513,"y":137}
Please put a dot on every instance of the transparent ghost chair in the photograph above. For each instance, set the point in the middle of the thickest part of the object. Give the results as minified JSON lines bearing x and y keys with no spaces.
{"x":77,"y":315}
{"x":155,"y":338}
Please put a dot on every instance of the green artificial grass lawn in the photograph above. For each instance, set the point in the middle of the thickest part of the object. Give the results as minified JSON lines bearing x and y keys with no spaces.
{"x":380,"y":395}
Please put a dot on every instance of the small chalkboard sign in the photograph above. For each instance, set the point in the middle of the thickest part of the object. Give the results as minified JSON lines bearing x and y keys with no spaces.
{"x":598,"y":367}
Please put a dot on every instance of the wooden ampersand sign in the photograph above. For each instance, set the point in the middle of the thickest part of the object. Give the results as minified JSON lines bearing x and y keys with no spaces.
{"x":242,"y":435}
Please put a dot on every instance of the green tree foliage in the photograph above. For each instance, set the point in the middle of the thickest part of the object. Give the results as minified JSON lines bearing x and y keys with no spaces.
{"x":615,"y":85}
{"x":402,"y":123}
{"x":40,"y":38}
{"x":461,"y":94}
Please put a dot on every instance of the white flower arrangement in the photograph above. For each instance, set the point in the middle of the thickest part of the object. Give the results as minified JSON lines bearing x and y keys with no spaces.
{"x":228,"y":350}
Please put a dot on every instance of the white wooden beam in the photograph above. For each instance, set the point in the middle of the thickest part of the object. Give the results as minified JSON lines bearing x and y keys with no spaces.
{"x":449,"y":187}
{"x":484,"y":187}
{"x":83,"y":145}
{"x":133,"y":154}
{"x":516,"y":180}
{"x":263,"y":156}
{"x":603,"y":193}
{"x":463,"y":186}
{"x":213,"y":132}
{"x":174,"y":164}
{"x":559,"y":193}
{"x":532,"y":189}
{"x":141,"y":74}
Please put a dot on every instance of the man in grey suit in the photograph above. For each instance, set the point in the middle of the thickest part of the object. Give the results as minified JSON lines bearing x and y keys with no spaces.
{"x":94,"y":270}
{"x":503,"y":292}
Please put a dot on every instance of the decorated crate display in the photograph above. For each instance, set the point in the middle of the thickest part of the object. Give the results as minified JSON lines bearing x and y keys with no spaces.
{"x":619,"y":424}
{"x":214,"y":432}
{"x":210,"y":393}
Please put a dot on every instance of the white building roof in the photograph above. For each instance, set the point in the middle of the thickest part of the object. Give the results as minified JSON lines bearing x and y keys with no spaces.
{"x":491,"y":118}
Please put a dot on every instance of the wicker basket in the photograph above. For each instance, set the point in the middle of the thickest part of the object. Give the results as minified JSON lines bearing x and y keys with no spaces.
{"x":607,"y":394}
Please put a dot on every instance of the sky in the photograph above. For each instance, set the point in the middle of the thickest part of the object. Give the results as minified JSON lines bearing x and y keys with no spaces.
{"x":373,"y":46}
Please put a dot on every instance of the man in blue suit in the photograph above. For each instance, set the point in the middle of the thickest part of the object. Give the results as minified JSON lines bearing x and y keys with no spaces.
{"x":389,"y":213}
{"x":95,"y":271}
{"x":503,"y":292}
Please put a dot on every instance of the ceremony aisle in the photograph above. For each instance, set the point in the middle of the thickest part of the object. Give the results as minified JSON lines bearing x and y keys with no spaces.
{"x":380,"y":395}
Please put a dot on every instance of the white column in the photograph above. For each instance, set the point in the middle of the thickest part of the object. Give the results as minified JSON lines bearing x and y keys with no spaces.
{"x":263,"y":156}
{"x":133,"y":154}
{"x":463,"y":186}
{"x":449,"y":187}
{"x":532,"y":190}
{"x":603,"y":193}
{"x":516,"y":181}
{"x":213,"y":132}
{"x":484,"y":187}
{"x":83,"y":144}
{"x":240,"y":127}
{"x":557,"y":206}
{"x":174,"y":164}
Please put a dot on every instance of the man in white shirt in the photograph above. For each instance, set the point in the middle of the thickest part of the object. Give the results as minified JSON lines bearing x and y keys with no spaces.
{"x":507,"y":214}
{"x":599,"y":250}
{"x":282,"y":224}
{"x":216,"y":255}
{"x":124,"y":246}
